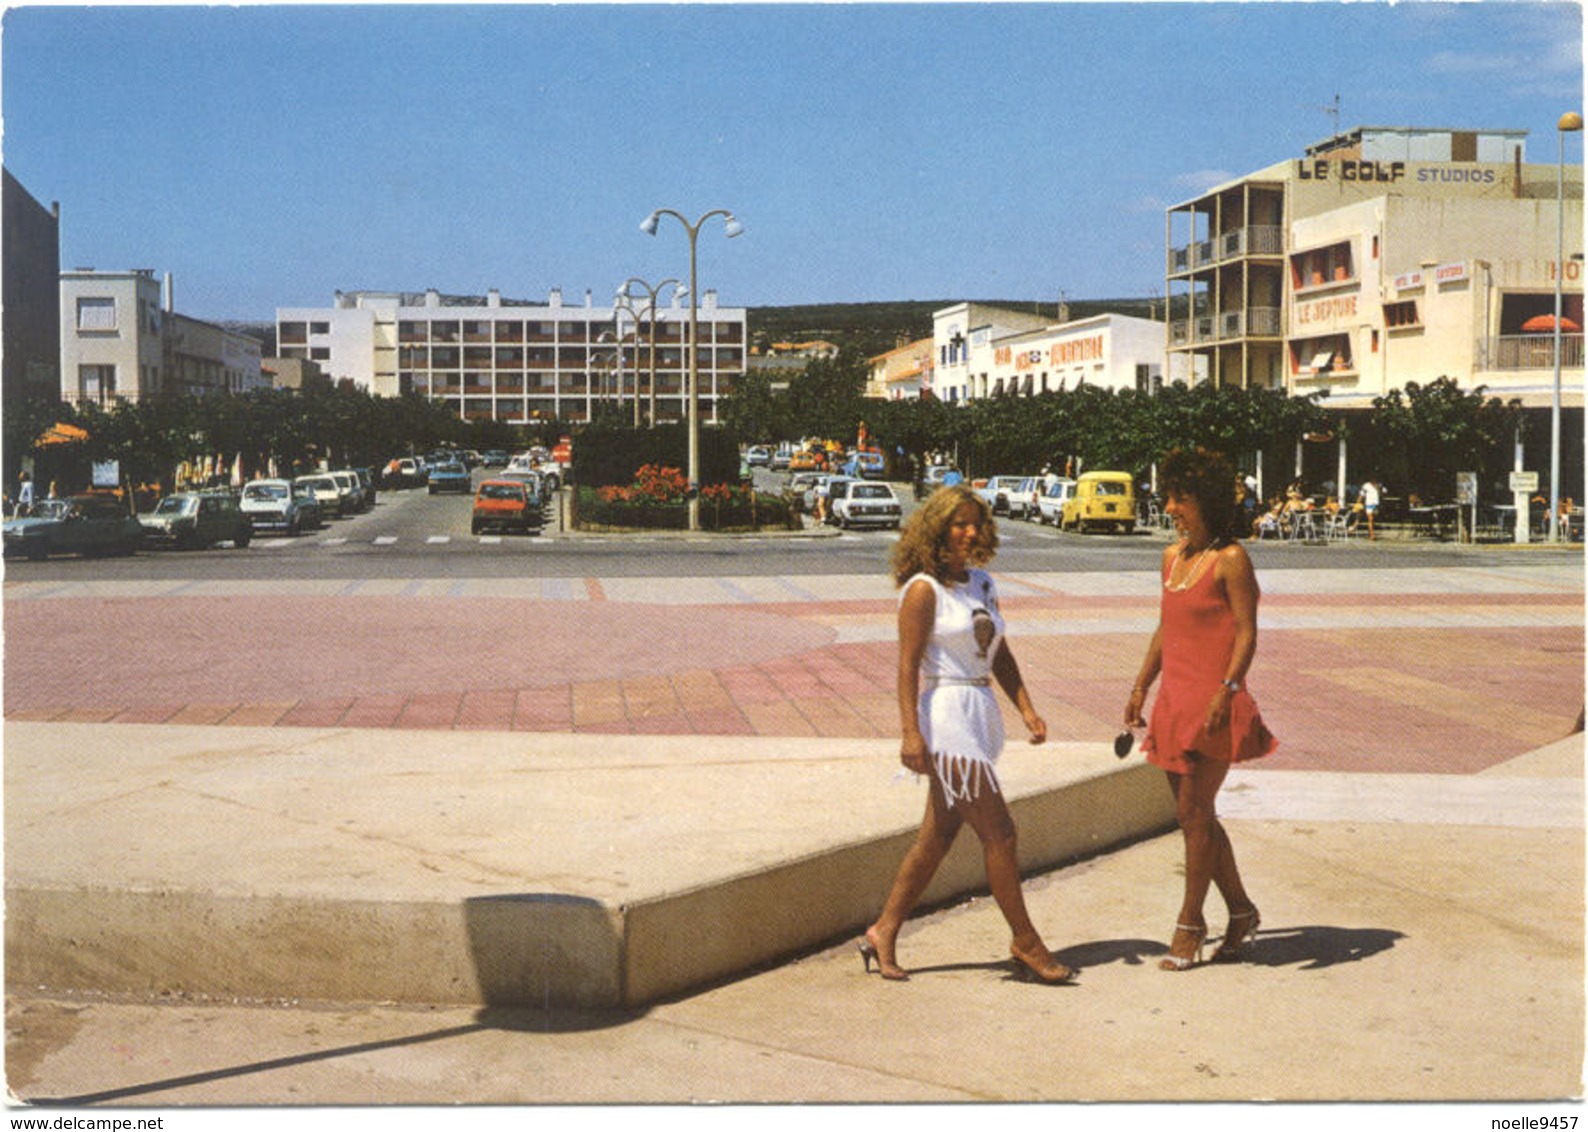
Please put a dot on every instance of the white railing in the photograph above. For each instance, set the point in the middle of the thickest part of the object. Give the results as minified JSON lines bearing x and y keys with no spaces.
{"x":1532,"y":351}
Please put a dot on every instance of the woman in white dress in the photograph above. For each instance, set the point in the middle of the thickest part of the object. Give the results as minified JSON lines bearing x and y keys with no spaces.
{"x":951,"y":650}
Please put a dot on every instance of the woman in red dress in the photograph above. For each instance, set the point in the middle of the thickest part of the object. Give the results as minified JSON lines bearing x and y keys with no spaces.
{"x":1203,"y":719}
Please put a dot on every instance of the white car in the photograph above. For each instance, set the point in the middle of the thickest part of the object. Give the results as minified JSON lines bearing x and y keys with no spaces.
{"x":1050,"y":503}
{"x":997,"y":491}
{"x":326,"y":493}
{"x":273,"y":505}
{"x":857,"y":503}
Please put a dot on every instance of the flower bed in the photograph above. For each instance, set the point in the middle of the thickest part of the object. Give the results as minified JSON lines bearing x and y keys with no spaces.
{"x":658,"y":499}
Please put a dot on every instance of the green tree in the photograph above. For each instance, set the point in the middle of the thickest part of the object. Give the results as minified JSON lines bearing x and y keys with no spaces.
{"x":1428,"y":433}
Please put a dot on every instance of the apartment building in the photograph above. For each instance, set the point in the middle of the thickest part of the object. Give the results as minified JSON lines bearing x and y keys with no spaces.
{"x":1381,"y":256}
{"x":120,"y":339}
{"x":493,"y":359}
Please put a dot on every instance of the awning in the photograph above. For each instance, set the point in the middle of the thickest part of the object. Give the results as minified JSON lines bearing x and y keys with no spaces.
{"x":62,"y":433}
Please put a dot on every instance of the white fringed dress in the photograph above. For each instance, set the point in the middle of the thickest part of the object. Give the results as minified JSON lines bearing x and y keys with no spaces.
{"x":958,"y":708}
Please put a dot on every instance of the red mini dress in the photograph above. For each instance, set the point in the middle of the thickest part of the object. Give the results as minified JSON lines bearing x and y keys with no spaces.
{"x":1197,"y":640}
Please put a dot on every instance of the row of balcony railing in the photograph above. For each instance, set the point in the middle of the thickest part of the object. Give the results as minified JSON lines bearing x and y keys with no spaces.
{"x":1254,"y":240}
{"x":1530,"y":351}
{"x":1252,"y":322}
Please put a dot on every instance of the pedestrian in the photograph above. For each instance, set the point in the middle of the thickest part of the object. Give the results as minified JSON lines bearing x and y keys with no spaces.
{"x":1203,"y":719}
{"x":951,"y":650}
{"x":25,"y":495}
{"x":1368,"y":497}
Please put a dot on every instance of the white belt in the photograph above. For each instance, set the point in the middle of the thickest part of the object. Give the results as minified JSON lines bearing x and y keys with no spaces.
{"x":957,"y":681}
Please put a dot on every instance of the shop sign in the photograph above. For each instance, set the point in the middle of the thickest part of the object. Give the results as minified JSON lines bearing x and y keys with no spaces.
{"x":1326,"y":310}
{"x":1320,"y":169}
{"x":1408,"y":280}
{"x":1077,"y":350}
{"x":1450,"y":273}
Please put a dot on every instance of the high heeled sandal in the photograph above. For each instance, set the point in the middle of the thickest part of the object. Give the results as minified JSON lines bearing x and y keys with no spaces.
{"x":1173,"y":962}
{"x":1052,"y":973}
{"x":869,"y":954}
{"x":1233,"y":949}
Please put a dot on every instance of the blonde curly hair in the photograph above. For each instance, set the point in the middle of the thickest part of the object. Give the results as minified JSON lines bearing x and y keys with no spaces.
{"x":922,"y":546}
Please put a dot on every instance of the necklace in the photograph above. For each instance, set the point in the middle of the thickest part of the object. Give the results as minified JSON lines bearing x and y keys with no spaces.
{"x":1194,"y":572}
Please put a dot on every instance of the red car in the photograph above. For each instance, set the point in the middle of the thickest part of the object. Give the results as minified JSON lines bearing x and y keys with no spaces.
{"x":506,"y":505}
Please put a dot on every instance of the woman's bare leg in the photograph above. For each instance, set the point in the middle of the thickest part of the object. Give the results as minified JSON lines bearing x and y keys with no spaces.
{"x":939,"y":827}
{"x":1205,"y":844}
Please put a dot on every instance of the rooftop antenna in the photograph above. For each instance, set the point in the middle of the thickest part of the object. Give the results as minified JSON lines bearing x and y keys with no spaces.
{"x":1333,"y":111}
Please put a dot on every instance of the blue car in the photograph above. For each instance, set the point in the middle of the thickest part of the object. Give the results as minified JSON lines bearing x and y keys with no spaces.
{"x":450,"y":477}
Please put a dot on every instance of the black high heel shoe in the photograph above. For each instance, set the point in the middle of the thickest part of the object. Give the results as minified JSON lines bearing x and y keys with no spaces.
{"x":1233,"y":949}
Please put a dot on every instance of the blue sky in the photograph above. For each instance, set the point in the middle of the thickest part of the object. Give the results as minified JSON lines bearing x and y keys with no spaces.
{"x":269,"y":155}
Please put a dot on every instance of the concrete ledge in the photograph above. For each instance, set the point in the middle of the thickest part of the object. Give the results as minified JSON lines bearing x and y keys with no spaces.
{"x":491,"y":868}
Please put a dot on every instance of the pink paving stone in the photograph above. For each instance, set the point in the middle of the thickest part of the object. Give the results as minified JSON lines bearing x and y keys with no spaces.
{"x":257,"y":715}
{"x":543,"y":709}
{"x":675,"y":724}
{"x":148,"y":713}
{"x":203,"y":714}
{"x":488,"y":711}
{"x":86,"y":715}
{"x":780,"y":718}
{"x":38,"y":715}
{"x":597,"y":704}
{"x":316,"y":713}
{"x":373,"y":711}
{"x":719,"y":721}
{"x":433,"y":712}
{"x":749,"y":685}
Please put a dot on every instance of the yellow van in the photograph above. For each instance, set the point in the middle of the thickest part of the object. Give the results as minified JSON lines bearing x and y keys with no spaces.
{"x":1101,"y":499}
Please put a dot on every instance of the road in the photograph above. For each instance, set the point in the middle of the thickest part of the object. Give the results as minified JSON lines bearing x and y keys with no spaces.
{"x":413,"y":534}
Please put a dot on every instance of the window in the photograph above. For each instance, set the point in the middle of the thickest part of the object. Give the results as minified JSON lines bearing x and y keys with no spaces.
{"x":98,"y":313}
{"x":320,"y":353}
{"x":319,"y":328}
{"x":96,"y":383}
{"x":1401,"y":314}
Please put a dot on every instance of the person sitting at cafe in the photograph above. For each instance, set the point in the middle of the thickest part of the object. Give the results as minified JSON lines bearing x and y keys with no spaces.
{"x":1270,"y":522}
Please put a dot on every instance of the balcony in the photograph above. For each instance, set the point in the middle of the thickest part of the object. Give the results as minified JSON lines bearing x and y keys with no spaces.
{"x":1253,"y":322}
{"x":1532,"y":351}
{"x":1255,"y":240}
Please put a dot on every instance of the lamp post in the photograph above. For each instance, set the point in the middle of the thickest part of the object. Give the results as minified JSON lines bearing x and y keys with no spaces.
{"x":733,"y":228}
{"x":1569,"y":123}
{"x":627,"y":301}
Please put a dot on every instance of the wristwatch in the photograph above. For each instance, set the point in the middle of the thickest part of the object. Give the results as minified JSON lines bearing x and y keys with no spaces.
{"x":1232,"y":685}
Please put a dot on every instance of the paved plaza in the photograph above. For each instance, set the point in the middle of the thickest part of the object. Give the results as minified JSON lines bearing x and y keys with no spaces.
{"x":1416,"y":845}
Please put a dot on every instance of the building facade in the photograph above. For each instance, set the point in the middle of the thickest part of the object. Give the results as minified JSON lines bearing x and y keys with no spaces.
{"x":494,"y":359}
{"x":1010,"y":353}
{"x":120,"y":340}
{"x":1382,"y":256}
{"x":903,"y":372}
{"x":30,"y":310}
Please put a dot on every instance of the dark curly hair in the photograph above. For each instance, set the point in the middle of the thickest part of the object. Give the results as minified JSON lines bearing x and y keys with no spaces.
{"x":1208,"y":478}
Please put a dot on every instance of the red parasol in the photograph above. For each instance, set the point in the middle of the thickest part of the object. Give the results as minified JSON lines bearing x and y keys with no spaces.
{"x":1544,"y":323}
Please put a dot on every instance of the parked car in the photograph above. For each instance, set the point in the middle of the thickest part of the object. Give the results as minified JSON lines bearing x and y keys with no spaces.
{"x":821,"y":491}
{"x":865,"y":464}
{"x":313,"y":518}
{"x":494,"y":458}
{"x":192,"y":520}
{"x":449,"y":477}
{"x":856,"y":503}
{"x":759,"y":456}
{"x":800,"y":483}
{"x":326,"y":493}
{"x":997,"y":491}
{"x":1050,"y":502}
{"x":366,"y":480}
{"x":272,"y":505}
{"x":1102,"y":499}
{"x":534,"y":483}
{"x":351,"y":491}
{"x":507,"y":504}
{"x":779,"y":460}
{"x":79,"y":524}
{"x":932,"y":479}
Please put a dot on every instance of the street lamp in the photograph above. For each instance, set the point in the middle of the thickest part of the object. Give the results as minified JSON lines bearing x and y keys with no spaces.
{"x":627,"y":301}
{"x":1569,"y":123}
{"x":733,"y":228}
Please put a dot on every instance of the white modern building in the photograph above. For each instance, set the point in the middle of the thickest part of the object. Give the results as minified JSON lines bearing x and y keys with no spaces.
{"x":1381,"y":256}
{"x":984,"y":351}
{"x":494,"y":359}
{"x":121,"y":339}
